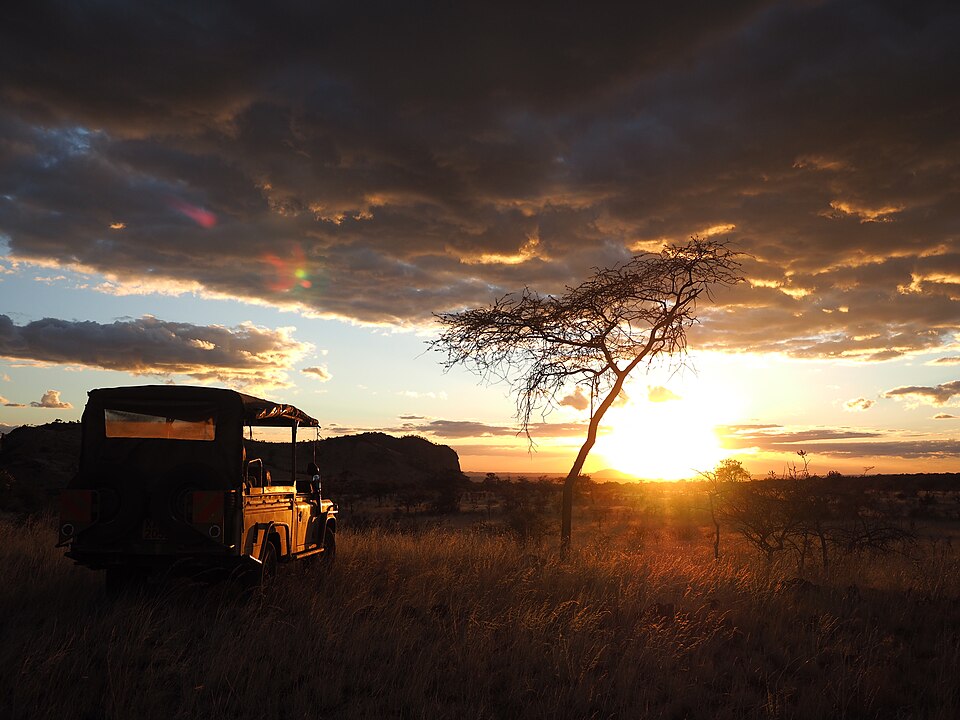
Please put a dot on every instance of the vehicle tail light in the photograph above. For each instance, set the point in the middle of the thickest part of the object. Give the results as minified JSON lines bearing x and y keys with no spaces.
{"x":76,"y":506}
{"x":78,"y":511}
{"x":207,"y":514}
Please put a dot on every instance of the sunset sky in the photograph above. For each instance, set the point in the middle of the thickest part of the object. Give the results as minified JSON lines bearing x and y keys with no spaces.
{"x":275,"y":197}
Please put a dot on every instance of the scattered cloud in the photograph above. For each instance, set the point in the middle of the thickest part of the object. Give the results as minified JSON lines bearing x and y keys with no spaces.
{"x":417,"y":395}
{"x":935,"y":395}
{"x":658,"y":394}
{"x":858,"y":405}
{"x":319,"y":371}
{"x":243,"y":356}
{"x":577,"y":400}
{"x":863,"y":213}
{"x":458,"y":429}
{"x":465,"y":429}
{"x":944,"y":416}
{"x":777,"y":437}
{"x":952,"y":360}
{"x":835,"y":442}
{"x":51,"y":399}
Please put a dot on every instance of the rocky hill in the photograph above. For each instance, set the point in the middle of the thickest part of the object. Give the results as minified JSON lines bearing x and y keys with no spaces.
{"x":359,"y":462}
{"x":36,"y":461}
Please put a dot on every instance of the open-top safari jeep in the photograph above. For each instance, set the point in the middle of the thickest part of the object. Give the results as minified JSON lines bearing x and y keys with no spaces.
{"x":165,"y":487}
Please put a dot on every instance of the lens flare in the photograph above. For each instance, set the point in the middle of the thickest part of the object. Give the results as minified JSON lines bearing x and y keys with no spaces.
{"x":201,"y":216}
{"x":290,"y":272}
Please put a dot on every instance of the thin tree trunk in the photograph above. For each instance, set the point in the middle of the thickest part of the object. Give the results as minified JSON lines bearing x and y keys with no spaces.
{"x":566,"y":511}
{"x":716,"y":531}
{"x":824,"y":555}
{"x":566,"y":514}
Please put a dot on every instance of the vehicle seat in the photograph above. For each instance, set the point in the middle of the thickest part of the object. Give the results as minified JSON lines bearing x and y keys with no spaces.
{"x":256,"y":473}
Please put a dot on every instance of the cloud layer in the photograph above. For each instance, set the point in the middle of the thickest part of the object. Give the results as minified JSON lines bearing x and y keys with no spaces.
{"x":243,"y":356}
{"x":840,"y":443}
{"x":936,"y":395}
{"x":381,"y":161}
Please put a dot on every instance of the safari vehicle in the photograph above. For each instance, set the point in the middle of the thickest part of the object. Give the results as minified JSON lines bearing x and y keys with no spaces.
{"x":165,"y":487}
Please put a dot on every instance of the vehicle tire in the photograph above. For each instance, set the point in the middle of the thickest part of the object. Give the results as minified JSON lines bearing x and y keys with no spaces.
{"x":329,"y":547}
{"x":260,"y":578}
{"x":270,"y":562}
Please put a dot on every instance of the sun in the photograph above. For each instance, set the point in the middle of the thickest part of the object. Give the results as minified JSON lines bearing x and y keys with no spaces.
{"x":665,"y":436}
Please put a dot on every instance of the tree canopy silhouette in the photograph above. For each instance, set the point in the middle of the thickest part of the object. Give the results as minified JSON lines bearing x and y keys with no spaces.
{"x":593,"y":335}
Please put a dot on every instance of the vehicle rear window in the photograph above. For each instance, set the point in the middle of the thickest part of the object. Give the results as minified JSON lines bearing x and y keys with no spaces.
{"x":122,"y":424}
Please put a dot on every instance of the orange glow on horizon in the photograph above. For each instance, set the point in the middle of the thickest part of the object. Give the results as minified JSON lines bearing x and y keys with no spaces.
{"x":667,"y":440}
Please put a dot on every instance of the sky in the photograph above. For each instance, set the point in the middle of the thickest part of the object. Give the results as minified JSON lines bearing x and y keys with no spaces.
{"x":277,"y":197}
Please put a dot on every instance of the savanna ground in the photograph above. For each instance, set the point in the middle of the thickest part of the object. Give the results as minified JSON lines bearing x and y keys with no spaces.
{"x":463,"y":619}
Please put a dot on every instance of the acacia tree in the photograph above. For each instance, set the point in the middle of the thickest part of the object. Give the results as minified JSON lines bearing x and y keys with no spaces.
{"x":719,"y":482}
{"x":593,"y":335}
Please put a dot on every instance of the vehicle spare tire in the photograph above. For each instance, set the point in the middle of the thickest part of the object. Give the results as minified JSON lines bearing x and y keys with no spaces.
{"x":122,"y":500}
{"x":170,"y":497}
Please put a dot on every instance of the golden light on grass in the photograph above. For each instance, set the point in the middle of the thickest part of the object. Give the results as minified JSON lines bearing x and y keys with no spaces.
{"x":445,"y":624}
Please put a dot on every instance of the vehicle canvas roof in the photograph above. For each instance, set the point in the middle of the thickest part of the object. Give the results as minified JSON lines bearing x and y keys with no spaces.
{"x":158,"y":398}
{"x":222,"y":458}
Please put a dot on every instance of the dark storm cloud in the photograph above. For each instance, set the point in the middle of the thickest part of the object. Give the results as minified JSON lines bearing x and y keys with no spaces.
{"x":242,"y":356}
{"x":380,"y":161}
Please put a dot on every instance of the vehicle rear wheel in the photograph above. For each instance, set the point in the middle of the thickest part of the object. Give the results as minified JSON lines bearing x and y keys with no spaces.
{"x":270,"y":562}
{"x":329,"y":547}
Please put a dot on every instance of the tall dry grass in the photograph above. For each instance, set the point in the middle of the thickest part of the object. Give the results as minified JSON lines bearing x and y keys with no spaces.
{"x":442,"y":624}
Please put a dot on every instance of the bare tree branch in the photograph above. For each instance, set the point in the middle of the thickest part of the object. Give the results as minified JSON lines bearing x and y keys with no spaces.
{"x":594,"y":334}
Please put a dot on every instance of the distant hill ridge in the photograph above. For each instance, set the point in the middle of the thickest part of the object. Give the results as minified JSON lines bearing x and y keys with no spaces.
{"x":36,"y":461}
{"x":371,"y":457}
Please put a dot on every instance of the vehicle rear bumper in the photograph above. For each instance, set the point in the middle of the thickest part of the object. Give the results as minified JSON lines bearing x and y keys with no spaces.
{"x":170,"y":563}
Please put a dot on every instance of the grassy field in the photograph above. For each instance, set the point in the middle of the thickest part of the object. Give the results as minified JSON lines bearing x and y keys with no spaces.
{"x":459,"y":624}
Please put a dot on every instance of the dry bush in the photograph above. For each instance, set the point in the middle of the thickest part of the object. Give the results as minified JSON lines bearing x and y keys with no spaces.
{"x":445,"y":624}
